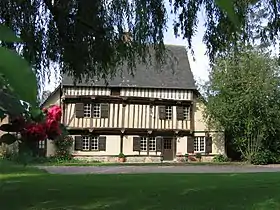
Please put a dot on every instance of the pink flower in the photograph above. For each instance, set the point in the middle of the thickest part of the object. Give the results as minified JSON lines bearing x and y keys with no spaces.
{"x":54,"y":112}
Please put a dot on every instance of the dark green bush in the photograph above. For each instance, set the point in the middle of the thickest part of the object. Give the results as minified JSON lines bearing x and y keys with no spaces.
{"x":262,"y":157}
{"x":220,"y":158}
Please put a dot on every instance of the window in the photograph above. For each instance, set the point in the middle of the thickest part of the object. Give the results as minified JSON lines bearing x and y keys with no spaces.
{"x":86,"y":143}
{"x":90,"y":143}
{"x":92,"y":110}
{"x":144,"y":144}
{"x":152,"y":144}
{"x":199,"y":144}
{"x":96,"y":111}
{"x":94,"y":143}
{"x":87,"y":110}
{"x":186,"y":113}
{"x":168,"y":112}
{"x":41,"y":144}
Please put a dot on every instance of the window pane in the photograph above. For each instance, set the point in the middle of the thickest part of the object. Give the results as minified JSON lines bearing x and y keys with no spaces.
{"x":152,"y":144}
{"x":86,"y":142}
{"x":87,"y":110}
{"x":96,"y":110}
{"x":143,"y":144}
{"x":168,"y":112}
{"x":94,"y":143}
{"x":186,"y":113}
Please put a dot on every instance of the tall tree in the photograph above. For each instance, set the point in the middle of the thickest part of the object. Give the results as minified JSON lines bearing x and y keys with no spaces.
{"x":243,"y":96}
{"x":89,"y":38}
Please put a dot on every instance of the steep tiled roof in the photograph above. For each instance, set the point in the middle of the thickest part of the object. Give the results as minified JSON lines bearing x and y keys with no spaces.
{"x":175,"y":73}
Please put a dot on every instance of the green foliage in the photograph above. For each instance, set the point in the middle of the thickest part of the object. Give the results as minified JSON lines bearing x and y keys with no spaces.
{"x":18,"y":75}
{"x":220,"y":158}
{"x":198,"y":155}
{"x":121,"y":155}
{"x":102,"y":30}
{"x":63,"y":145}
{"x":262,"y":157}
{"x":6,"y":35}
{"x":243,"y":97}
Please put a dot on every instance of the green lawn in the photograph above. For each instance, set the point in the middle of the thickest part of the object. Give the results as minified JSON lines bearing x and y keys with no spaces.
{"x":28,"y":188}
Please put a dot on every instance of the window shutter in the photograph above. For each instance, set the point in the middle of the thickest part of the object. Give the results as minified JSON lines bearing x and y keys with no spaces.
{"x":180,"y":112}
{"x":79,"y":109}
{"x":159,"y":144}
{"x":136,"y":143}
{"x":104,"y":110}
{"x":162,"y":114}
{"x":78,"y":143}
{"x":190,"y":144}
{"x":102,"y":143}
{"x":208,"y":148}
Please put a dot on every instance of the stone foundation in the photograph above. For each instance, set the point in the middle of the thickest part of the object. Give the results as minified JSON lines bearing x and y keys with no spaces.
{"x":137,"y":159}
{"x":111,"y":159}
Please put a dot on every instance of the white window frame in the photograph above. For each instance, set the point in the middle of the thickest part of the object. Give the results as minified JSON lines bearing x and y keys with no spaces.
{"x":199,"y":141}
{"x":90,"y":143}
{"x":87,"y":110}
{"x":168,"y":112}
{"x":92,"y":110}
{"x":186,"y":113}
{"x":94,"y":143}
{"x":96,"y":112}
{"x":41,"y":144}
{"x":152,"y":144}
{"x":86,"y":143}
{"x":144,"y":144}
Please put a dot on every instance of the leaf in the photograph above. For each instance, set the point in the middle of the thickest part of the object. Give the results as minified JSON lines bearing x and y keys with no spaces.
{"x":37,"y":114}
{"x":19,"y":75}
{"x":228,"y":7}
{"x":9,"y":128}
{"x":8,"y":138}
{"x":11,"y":105}
{"x":7,"y":35}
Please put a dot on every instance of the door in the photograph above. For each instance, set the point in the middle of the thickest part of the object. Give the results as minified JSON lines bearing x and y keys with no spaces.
{"x":168,"y":148}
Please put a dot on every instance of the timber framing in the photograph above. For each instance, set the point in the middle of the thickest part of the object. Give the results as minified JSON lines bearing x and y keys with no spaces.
{"x":128,"y":131}
{"x":125,"y":100}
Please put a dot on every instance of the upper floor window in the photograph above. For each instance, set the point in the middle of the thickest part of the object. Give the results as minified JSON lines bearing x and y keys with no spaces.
{"x":87,"y":110}
{"x":168,"y":112}
{"x":199,"y":144}
{"x":186,"y":113}
{"x":92,"y":110}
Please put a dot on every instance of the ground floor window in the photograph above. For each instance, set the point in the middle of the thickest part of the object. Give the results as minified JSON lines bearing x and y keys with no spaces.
{"x":42,"y":144}
{"x":90,"y":143}
{"x":148,"y":142}
{"x":199,"y":144}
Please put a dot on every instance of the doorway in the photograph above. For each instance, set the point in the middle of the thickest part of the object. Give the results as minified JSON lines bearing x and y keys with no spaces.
{"x":168,"y":148}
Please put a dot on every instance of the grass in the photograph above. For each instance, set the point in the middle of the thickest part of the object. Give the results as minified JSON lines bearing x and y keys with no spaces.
{"x":26,"y":188}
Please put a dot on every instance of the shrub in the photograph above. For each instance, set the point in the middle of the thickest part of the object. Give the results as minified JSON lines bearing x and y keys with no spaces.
{"x":63,"y":145}
{"x":220,"y":158}
{"x":198,"y":155}
{"x":121,"y":155}
{"x":263,"y":157}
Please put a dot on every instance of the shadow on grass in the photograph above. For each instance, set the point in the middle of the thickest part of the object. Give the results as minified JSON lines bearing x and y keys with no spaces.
{"x":138,"y":192}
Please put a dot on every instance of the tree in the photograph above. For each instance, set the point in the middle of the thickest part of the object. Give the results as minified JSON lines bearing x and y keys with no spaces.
{"x":100,"y":31}
{"x":243,"y":97}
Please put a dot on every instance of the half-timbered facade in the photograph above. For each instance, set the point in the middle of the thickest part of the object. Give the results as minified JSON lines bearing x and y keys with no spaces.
{"x":155,"y":113}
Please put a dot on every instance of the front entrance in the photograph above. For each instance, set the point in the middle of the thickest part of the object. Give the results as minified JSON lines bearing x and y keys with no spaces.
{"x":168,"y":148}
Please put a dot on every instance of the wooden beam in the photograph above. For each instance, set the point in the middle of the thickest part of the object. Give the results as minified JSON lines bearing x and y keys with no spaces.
{"x":125,"y":100}
{"x":128,"y":131}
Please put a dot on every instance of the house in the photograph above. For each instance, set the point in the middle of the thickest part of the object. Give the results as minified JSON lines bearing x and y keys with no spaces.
{"x":155,"y":113}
